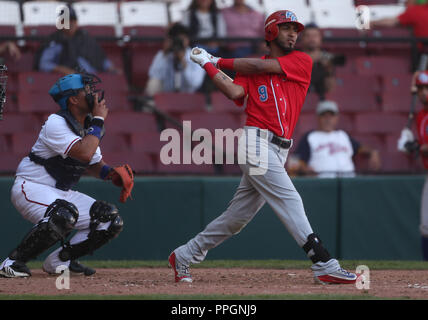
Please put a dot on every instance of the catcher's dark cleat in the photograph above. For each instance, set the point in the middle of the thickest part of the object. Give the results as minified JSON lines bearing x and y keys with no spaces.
{"x":77,"y":267}
{"x":15,"y":270}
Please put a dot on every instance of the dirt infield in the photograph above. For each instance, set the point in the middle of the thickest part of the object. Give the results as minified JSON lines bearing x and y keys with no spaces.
{"x":218,"y":281}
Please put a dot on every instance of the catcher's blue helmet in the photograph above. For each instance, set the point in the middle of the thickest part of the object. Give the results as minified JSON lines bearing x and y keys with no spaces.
{"x":71,"y":84}
{"x":66,"y":87}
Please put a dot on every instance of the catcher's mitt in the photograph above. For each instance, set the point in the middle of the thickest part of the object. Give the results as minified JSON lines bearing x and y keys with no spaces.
{"x":122,"y":176}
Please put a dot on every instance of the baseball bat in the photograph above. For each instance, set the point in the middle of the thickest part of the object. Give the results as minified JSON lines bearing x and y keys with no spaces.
{"x":421,"y":67}
{"x":197,"y":51}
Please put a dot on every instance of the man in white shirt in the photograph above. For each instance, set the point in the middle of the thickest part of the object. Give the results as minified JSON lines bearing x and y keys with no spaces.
{"x":67,"y":147}
{"x":328,"y":151}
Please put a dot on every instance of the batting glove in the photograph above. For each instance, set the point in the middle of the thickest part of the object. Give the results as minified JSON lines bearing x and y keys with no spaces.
{"x":200,"y":56}
{"x":405,"y":138}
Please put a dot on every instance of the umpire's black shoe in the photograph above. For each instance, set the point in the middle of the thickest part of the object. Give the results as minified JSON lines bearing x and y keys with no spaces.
{"x":16,"y":270}
{"x":77,"y":267}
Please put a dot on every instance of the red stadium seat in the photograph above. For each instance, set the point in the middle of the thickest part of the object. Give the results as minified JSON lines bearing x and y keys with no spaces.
{"x":370,"y":140}
{"x":141,"y":31}
{"x":140,"y":162}
{"x":307,"y":121}
{"x":379,"y":122}
{"x":17,"y":123}
{"x":395,"y":93}
{"x":9,"y":162}
{"x":130,"y":122}
{"x":148,"y":142}
{"x":22,"y":142}
{"x":207,"y":169}
{"x":142,"y":56}
{"x":7,"y":30}
{"x":355,"y":93}
{"x":180,"y":102}
{"x":116,"y":91}
{"x":114,"y":142}
{"x":211,"y":121}
{"x":104,"y":31}
{"x":221,"y":103}
{"x":39,"y":30}
{"x":24,"y":64}
{"x":4,"y":144}
{"x":381,"y":65}
{"x":311,"y":102}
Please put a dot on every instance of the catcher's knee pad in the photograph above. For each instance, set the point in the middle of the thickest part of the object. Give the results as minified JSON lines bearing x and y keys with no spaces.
{"x":315,"y":250}
{"x":60,"y":218}
{"x":100,"y":211}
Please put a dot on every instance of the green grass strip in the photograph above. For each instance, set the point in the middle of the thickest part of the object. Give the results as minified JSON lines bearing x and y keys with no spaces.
{"x":258,"y":264}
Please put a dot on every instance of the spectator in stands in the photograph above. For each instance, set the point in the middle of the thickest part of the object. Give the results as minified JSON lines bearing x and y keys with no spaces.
{"x":11,"y":49}
{"x":204,"y":20}
{"x":415,"y":16}
{"x":327,"y":151}
{"x":322,"y":79}
{"x":171,"y":69}
{"x":243,"y":21}
{"x":68,"y":50}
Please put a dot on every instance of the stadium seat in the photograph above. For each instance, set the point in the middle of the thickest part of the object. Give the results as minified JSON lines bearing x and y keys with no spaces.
{"x":4,"y":144}
{"x":144,"y":13}
{"x":17,"y":123}
{"x":22,"y":142}
{"x":206,"y":169}
{"x":334,"y":13}
{"x":148,"y":142}
{"x":370,"y":140}
{"x":299,"y":7}
{"x":116,"y":91}
{"x":210,"y":121}
{"x":9,"y":162}
{"x":96,"y":13}
{"x":130,"y":122}
{"x":142,"y":56}
{"x":255,"y":4}
{"x":307,"y":121}
{"x":381,"y":65}
{"x":355,"y":93}
{"x":311,"y":102}
{"x":180,"y":102}
{"x":381,"y":11}
{"x":379,"y":123}
{"x":396,"y":92}
{"x":140,"y":162}
{"x":33,"y":92}
{"x":177,"y":9}
{"x":41,"y":12}
{"x":11,"y":15}
{"x":220,"y":103}
{"x":114,"y":142}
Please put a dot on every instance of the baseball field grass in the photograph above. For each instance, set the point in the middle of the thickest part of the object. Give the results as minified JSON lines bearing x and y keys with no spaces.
{"x":220,"y":279}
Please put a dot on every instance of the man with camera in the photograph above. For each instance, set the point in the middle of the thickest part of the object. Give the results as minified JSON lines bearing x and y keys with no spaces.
{"x":172,"y":69}
{"x":322,"y":78}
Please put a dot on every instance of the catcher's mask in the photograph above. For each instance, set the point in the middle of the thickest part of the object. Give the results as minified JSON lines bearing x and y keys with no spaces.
{"x":3,"y":82}
{"x":70,"y":85}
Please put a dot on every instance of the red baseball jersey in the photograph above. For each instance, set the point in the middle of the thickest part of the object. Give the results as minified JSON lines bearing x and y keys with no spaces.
{"x":416,"y":16}
{"x":275,"y":100}
{"x":422,"y":127}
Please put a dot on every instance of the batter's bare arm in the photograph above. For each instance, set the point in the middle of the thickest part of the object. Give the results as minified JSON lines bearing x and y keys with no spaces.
{"x":227,"y":87}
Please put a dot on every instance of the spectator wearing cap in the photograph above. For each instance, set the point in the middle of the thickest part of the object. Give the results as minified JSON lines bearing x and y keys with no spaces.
{"x":71,"y":49}
{"x":327,"y":151}
{"x":242,"y":21}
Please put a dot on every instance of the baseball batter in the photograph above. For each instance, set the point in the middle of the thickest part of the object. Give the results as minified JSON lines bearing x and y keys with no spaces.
{"x":274,"y":88}
{"x":67,"y":147}
{"x":408,"y":143}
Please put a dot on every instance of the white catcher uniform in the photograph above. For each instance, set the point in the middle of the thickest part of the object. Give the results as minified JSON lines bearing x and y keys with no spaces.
{"x":34,"y":189}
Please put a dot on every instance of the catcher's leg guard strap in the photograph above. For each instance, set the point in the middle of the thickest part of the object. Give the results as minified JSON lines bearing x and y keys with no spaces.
{"x":60,"y":218}
{"x":315,"y":250}
{"x":99,"y":212}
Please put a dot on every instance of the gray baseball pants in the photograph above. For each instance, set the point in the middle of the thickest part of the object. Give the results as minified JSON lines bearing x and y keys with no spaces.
{"x":264,"y":180}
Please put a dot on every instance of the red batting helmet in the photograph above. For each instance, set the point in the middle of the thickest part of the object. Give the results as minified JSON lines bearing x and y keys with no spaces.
{"x":276,"y":18}
{"x":422,"y":79}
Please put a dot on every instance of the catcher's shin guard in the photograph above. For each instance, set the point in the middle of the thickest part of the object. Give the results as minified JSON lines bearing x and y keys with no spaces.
{"x":315,"y":250}
{"x":100,"y":211}
{"x":59,"y":220}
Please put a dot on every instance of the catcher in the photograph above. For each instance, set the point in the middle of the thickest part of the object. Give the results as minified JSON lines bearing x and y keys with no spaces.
{"x":67,"y":147}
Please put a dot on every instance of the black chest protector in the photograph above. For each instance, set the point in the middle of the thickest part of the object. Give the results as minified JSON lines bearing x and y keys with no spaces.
{"x":66,"y":171}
